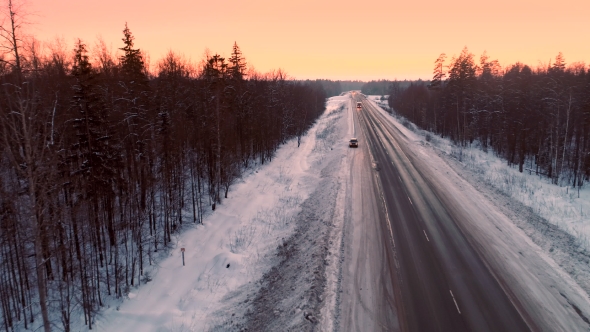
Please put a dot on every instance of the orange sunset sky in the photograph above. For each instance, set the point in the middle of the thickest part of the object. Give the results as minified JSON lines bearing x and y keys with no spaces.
{"x":343,"y":39}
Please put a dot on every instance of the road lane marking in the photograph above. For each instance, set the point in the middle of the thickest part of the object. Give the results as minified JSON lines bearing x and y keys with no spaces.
{"x":427,"y":237}
{"x":380,"y":189}
{"x":410,"y":200}
{"x":456,"y":305}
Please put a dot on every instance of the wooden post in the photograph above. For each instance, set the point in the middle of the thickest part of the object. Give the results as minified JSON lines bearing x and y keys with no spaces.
{"x":182,"y":250}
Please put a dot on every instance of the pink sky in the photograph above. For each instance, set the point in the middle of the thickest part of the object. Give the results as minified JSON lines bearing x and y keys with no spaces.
{"x":330,"y":39}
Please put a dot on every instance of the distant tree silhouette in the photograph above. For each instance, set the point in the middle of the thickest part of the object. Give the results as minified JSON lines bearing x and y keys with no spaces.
{"x":538,"y":119}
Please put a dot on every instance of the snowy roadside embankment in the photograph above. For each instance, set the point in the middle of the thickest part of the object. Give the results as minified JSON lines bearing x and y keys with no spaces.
{"x":296,"y":291}
{"x":546,"y":225}
{"x":279,"y":210}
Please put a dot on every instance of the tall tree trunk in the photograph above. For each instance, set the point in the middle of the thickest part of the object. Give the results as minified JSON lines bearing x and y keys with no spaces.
{"x":36,"y":215}
{"x":567,"y":122}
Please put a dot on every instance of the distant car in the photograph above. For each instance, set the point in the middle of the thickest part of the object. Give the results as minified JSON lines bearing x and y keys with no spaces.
{"x":359,"y":106}
{"x":353,"y":143}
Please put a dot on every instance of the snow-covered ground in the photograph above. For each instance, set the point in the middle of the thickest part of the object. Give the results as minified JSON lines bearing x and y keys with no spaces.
{"x":269,"y":256}
{"x":237,"y":245}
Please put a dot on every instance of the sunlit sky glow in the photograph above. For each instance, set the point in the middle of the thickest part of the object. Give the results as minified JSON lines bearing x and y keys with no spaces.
{"x":343,"y":39}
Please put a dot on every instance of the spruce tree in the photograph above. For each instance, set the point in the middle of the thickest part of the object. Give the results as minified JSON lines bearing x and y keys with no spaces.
{"x":438,"y":74}
{"x":237,"y":64}
{"x":132,"y":62}
{"x":559,"y":64}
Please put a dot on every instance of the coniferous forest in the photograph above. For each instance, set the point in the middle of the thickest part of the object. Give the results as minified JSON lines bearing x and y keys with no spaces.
{"x":103,"y":160}
{"x":106,"y":157}
{"x":537,"y":119}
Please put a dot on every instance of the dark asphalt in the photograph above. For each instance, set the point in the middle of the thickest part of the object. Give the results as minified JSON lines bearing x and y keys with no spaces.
{"x":442,"y":282}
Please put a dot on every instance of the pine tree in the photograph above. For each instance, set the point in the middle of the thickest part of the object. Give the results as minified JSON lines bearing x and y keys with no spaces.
{"x":132,"y":62}
{"x":91,"y":125}
{"x":82,"y":67}
{"x":462,"y":84}
{"x":215,"y":75}
{"x":237,"y":64}
{"x":559,"y":64}
{"x":439,"y":73}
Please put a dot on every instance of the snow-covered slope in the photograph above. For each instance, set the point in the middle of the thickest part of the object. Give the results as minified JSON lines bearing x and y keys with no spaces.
{"x":236,"y":245}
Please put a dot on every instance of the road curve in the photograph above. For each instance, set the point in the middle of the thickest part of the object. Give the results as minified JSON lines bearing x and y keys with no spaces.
{"x":439,"y":283}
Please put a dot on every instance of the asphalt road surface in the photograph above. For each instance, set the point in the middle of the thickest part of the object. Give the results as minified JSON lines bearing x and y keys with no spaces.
{"x":410,"y":267}
{"x":368,"y":294}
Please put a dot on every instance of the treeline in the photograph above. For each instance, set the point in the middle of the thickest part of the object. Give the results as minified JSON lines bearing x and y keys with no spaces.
{"x":351,"y":85}
{"x":536,"y":118}
{"x":384,"y":87}
{"x":332,"y":88}
{"x":335,"y":88}
{"x":102,"y":161}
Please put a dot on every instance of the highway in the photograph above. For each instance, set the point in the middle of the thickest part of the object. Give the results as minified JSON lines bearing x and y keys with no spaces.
{"x":411,"y":267}
{"x":368,"y":299}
